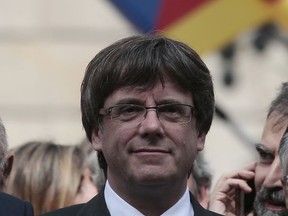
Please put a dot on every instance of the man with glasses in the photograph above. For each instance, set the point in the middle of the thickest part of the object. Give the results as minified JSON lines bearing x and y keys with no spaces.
{"x":147,"y":104}
{"x":283,"y":154}
{"x":265,"y":174}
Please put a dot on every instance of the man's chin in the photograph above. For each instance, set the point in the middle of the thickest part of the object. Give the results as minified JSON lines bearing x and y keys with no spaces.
{"x":270,"y":202}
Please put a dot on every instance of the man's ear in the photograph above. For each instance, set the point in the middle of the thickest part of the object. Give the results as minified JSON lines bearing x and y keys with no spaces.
{"x":97,"y":139}
{"x":201,"y":141}
{"x":8,"y":167}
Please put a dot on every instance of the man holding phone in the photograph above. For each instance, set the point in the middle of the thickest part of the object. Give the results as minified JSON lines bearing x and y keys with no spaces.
{"x":266,"y":173}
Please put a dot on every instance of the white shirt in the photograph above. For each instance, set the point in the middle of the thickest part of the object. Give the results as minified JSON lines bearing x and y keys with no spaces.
{"x":119,"y":207}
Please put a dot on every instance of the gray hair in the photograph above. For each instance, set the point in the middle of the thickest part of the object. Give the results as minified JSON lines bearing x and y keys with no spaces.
{"x":3,"y":146}
{"x":283,"y":152}
{"x":91,"y":162}
{"x":201,"y":171}
{"x":280,"y":104}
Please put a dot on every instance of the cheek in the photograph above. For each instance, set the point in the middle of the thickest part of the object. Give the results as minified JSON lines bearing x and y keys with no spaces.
{"x":187,"y":148}
{"x":191,"y":140}
{"x":188,"y":132}
{"x":260,"y":173}
{"x":115,"y":143}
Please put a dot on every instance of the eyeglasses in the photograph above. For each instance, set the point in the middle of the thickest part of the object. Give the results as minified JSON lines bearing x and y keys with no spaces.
{"x":132,"y":113}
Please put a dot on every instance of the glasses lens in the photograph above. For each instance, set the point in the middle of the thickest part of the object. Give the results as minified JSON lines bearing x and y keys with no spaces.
{"x":131,"y":113}
{"x":127,"y":113}
{"x":178,"y":113}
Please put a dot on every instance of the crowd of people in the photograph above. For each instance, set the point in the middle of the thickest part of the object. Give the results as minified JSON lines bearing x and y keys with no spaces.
{"x":147,"y":104}
{"x":55,"y":175}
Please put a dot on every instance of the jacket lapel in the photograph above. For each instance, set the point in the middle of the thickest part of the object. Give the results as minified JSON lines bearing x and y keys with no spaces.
{"x":95,"y":207}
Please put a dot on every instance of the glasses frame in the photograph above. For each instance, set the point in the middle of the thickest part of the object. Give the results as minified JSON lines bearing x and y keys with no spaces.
{"x":108,"y":111}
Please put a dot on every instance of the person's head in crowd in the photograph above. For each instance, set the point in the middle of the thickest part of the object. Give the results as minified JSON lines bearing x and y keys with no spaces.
{"x":9,"y":205}
{"x":200,"y":180}
{"x":6,"y":159}
{"x":92,"y":165}
{"x":269,"y":198}
{"x":147,"y":104}
{"x":50,"y":176}
{"x":261,"y":181}
{"x":283,"y":154}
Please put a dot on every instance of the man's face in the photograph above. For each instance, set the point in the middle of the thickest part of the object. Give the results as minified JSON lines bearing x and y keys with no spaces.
{"x":150,"y":153}
{"x":269,"y":199}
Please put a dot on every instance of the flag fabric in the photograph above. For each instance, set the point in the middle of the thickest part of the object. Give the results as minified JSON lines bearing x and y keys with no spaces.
{"x":206,"y":25}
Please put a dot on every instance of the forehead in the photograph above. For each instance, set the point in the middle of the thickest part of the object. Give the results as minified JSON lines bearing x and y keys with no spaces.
{"x":162,"y":91}
{"x":273,"y":131}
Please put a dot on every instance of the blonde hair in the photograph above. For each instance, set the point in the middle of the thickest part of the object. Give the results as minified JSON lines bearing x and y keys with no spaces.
{"x":46,"y":174}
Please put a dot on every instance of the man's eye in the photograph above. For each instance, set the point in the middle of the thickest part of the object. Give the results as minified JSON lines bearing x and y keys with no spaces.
{"x":127,"y":110}
{"x":173,"y":110}
{"x":265,"y":157}
{"x":169,"y":109}
{"x":130,"y":109}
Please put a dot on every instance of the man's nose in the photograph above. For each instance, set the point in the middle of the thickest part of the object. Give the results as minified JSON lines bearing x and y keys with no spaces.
{"x":152,"y":116}
{"x":151,"y":124}
{"x":273,"y":177}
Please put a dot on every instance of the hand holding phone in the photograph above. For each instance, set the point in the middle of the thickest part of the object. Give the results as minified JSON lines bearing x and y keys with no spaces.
{"x":231,"y":193}
{"x":244,"y":201}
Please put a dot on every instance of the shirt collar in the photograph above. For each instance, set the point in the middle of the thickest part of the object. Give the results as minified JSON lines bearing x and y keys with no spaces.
{"x":117,"y":206}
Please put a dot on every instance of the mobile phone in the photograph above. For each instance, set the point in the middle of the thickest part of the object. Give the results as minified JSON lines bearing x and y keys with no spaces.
{"x":239,"y":202}
{"x":244,"y":201}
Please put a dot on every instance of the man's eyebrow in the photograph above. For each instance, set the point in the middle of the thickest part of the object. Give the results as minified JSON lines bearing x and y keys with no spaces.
{"x":262,"y":148}
{"x":139,"y":101}
{"x":171,"y":101}
{"x":128,"y":100}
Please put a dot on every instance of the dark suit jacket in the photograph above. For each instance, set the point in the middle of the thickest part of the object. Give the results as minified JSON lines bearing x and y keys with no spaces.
{"x":12,"y":206}
{"x":97,"y":207}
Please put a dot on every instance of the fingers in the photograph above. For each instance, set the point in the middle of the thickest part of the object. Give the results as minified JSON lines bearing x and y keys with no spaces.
{"x":245,"y":173}
{"x":235,"y":180}
{"x":222,"y":198}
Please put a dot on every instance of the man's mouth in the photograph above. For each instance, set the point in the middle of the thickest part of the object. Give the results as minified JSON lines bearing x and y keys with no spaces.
{"x":270,"y":201}
{"x":275,"y":206}
{"x":151,"y":150}
{"x":160,"y":150}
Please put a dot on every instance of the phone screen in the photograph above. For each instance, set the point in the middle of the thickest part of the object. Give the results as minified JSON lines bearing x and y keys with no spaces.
{"x":239,"y":202}
{"x":244,"y":201}
{"x":249,"y":197}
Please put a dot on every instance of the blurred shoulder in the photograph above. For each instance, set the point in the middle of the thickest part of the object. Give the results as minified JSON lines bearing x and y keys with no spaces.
{"x":11,"y":205}
{"x":67,"y":211}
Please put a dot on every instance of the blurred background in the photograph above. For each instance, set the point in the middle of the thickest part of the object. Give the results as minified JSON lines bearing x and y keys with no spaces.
{"x":45,"y":47}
